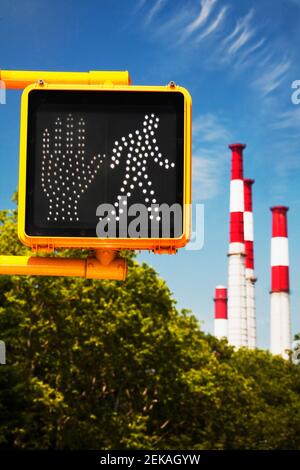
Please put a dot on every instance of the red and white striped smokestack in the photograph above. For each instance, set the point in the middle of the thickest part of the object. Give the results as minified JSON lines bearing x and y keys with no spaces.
{"x":249,"y":263}
{"x":220,"y":325}
{"x":280,"y":285}
{"x":237,"y":321}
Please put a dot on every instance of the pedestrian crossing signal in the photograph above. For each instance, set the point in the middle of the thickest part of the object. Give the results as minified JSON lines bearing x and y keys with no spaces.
{"x":105,"y":167}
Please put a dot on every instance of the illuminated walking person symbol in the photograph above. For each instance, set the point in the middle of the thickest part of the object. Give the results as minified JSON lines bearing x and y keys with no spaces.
{"x":138,"y":148}
{"x":66,"y":171}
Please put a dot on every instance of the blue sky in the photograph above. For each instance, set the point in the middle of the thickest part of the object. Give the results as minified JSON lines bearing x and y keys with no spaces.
{"x":237,"y":59}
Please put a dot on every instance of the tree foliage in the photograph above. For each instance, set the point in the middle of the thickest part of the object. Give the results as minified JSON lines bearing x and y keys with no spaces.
{"x":110,"y":365}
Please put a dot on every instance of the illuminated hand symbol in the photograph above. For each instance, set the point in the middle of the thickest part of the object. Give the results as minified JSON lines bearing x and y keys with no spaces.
{"x":66,"y":171}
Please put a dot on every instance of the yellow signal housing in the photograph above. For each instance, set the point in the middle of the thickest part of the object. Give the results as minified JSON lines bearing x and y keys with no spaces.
{"x":110,"y":84}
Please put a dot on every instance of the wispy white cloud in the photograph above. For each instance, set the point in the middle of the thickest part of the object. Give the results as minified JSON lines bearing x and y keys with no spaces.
{"x":242,"y":43}
{"x":272,"y":78}
{"x":241,"y":25}
{"x":206,"y":7}
{"x":241,"y":34}
{"x":141,"y":3}
{"x":214,"y":25}
{"x":157,"y":6}
{"x":242,"y":39}
{"x":175,"y":23}
{"x":296,"y":2}
{"x":288,"y":119}
{"x":246,"y":56}
{"x":209,"y":128}
{"x":210,"y":139}
{"x":205,"y":177}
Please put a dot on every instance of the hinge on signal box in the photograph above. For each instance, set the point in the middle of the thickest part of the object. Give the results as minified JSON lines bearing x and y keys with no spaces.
{"x":46,"y":248}
{"x":166,"y":250}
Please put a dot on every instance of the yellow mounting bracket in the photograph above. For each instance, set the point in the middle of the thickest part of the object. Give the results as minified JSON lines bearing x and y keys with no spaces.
{"x":105,"y":264}
{"x":20,"y":79}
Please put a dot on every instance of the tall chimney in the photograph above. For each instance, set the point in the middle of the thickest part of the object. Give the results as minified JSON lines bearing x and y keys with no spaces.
{"x":249,"y":263}
{"x":220,"y":325}
{"x":280,"y":285}
{"x":237,"y":321}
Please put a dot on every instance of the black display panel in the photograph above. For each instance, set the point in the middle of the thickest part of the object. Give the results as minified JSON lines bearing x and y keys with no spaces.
{"x":87,"y":148}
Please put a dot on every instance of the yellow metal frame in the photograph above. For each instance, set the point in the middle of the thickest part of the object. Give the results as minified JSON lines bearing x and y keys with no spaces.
{"x":20,"y":79}
{"x":159,"y":245}
{"x":105,"y":265}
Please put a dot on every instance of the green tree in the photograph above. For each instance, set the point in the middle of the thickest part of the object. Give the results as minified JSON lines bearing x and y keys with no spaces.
{"x":105,"y":365}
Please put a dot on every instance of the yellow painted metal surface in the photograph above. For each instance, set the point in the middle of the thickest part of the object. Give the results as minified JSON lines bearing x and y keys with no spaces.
{"x":20,"y":79}
{"x":90,"y":268}
{"x":158,"y":245}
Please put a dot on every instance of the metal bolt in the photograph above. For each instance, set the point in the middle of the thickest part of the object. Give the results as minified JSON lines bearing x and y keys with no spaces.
{"x":41,"y":82}
{"x":172,"y":84}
